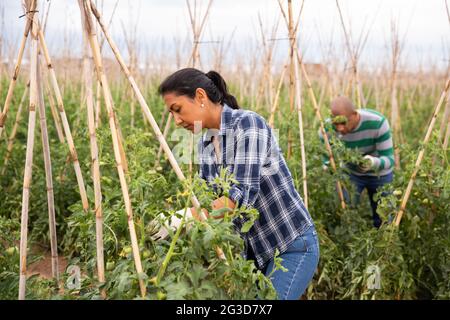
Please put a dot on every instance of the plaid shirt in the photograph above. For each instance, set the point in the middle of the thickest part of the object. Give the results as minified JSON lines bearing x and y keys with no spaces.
{"x":250,"y":151}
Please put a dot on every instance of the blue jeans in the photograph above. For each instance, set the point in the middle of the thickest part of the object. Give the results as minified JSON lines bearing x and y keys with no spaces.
{"x":371,"y":184}
{"x":301,"y":260}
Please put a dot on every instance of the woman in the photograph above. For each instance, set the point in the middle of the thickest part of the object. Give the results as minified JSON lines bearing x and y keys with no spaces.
{"x":242,"y":142}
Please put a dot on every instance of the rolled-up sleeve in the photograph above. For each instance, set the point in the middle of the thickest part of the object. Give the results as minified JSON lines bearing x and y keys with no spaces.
{"x":251,"y":142}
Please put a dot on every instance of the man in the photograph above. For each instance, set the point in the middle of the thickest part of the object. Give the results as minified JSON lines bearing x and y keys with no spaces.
{"x":368,"y":132}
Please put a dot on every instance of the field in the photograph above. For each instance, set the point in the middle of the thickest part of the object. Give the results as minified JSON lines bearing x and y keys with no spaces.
{"x":411,"y":258}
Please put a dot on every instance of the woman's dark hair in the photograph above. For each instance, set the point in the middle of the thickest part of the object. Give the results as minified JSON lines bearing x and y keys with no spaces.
{"x":184,"y":82}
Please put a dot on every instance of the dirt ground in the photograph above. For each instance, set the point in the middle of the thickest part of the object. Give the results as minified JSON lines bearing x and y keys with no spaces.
{"x":43,"y":267}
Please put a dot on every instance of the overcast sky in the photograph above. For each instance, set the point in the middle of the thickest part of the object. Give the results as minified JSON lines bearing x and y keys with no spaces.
{"x":423,"y":24}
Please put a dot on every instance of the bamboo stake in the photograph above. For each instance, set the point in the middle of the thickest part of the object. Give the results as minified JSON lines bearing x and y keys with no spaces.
{"x":99,"y":93}
{"x":12,"y":84}
{"x":56,"y":119}
{"x":292,"y":31}
{"x":85,"y":7}
{"x":149,"y":115}
{"x":141,"y":100}
{"x":274,"y":107}
{"x":131,"y":45}
{"x":12,"y":136}
{"x":196,"y":31}
{"x":102,"y":41}
{"x":322,"y":129}
{"x":48,"y":178}
{"x":163,"y":116}
{"x":265,"y":85}
{"x":298,"y":102}
{"x":395,"y":112}
{"x":446,"y":139}
{"x":354,"y":60}
{"x":399,"y":214}
{"x":29,"y":153}
{"x":46,"y":15}
{"x":195,"y":56}
{"x":87,"y":67}
{"x":445,"y":123}
{"x":98,"y":108}
{"x":65,"y":123}
{"x":119,"y":132}
{"x":166,"y":131}
{"x":445,"y":118}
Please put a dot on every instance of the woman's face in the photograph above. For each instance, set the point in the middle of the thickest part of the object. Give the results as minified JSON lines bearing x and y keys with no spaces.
{"x":187,"y":112}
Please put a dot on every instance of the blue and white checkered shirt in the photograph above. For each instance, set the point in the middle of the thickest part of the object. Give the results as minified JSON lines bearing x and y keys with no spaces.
{"x":250,"y":151}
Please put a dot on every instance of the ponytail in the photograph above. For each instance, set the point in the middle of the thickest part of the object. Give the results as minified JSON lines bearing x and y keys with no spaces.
{"x":186,"y":81}
{"x":221,"y":85}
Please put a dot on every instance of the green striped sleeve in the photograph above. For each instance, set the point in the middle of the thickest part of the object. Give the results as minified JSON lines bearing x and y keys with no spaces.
{"x":385,"y":147}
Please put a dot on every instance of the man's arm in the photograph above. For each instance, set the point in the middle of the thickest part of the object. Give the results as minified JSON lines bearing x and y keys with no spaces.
{"x":384,"y":147}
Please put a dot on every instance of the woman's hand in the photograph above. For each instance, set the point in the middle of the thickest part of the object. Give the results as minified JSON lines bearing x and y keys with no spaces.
{"x":222,"y":202}
{"x":196,"y":215}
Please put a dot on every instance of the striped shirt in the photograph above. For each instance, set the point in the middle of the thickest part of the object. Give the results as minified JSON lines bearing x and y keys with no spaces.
{"x":372,"y":136}
{"x":249,"y":150}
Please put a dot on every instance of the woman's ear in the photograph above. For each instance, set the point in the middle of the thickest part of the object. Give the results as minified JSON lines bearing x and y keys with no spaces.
{"x":200,"y":95}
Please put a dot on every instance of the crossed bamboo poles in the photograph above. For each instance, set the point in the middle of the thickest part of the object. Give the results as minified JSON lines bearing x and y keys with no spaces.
{"x":36,"y":99}
{"x":193,"y":60}
{"x":354,"y":53}
{"x":146,"y":110}
{"x":443,"y":97}
{"x":297,"y":63}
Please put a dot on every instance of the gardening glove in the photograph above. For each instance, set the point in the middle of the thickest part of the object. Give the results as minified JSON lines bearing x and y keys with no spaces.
{"x":368,"y":164}
{"x":174,"y":224}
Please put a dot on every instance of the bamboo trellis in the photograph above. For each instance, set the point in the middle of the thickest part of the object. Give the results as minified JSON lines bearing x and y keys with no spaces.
{"x":354,"y":54}
{"x":12,"y":136}
{"x":274,"y":104}
{"x":86,"y":14}
{"x":193,"y":60}
{"x":34,"y":101}
{"x":65,"y":122}
{"x":12,"y":84}
{"x":37,"y":100}
{"x":396,"y":49}
{"x":420,"y":156}
{"x":322,"y":129}
{"x":266,"y":83}
{"x":295,"y":75}
{"x":95,"y":168}
{"x":148,"y":114}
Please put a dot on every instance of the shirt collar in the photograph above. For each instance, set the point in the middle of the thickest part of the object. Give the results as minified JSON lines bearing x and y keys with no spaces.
{"x":225,"y":124}
{"x":225,"y":119}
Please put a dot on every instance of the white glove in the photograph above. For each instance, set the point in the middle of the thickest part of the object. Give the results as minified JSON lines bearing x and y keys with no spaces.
{"x":369,"y":163}
{"x":174,"y":224}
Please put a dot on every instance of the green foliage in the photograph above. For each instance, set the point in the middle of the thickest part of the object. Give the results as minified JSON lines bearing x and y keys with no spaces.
{"x":413,"y":261}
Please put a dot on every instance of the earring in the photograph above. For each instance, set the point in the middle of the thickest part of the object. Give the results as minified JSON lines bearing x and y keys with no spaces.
{"x":202,"y":105}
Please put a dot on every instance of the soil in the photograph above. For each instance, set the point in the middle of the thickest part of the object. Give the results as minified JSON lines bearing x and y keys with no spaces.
{"x":43,"y":267}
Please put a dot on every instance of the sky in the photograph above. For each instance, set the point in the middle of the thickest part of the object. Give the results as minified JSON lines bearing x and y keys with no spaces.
{"x":423,"y":27}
